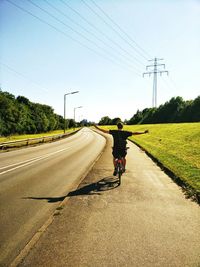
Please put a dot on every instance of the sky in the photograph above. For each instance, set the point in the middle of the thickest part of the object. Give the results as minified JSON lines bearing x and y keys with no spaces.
{"x":100,"y":48}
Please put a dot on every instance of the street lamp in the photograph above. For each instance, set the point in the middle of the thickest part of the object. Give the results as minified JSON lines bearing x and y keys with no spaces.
{"x":75,"y":113}
{"x":71,"y":93}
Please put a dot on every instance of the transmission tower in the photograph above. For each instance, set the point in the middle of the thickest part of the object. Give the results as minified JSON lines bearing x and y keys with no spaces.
{"x":155,"y":71}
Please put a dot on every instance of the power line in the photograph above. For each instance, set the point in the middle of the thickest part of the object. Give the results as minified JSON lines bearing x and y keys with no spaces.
{"x":69,"y":27}
{"x":51,"y":15}
{"x":68,"y":36}
{"x":155,"y":71}
{"x":121,"y":30}
{"x":111,"y":28}
{"x":24,"y":76}
{"x":59,"y":11}
{"x":101,"y":32}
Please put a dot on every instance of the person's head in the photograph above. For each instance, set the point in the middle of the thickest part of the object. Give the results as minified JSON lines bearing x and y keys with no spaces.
{"x":119,"y":125}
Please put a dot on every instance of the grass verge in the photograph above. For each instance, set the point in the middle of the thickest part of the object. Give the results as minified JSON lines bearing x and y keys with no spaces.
{"x":176,"y":147}
{"x":26,"y":136}
{"x":20,"y":141}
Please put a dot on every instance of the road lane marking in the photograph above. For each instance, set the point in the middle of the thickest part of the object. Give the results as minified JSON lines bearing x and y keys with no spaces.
{"x":32,"y":161}
{"x":18,"y":163}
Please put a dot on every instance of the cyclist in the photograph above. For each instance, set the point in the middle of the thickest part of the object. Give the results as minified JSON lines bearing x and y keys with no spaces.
{"x":119,"y":146}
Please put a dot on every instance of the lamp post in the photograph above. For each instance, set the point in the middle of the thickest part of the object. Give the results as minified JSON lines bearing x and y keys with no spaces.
{"x":71,"y":93}
{"x":75,"y":113}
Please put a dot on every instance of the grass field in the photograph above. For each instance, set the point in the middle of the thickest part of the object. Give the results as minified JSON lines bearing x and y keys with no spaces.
{"x":26,"y":136}
{"x":176,"y":146}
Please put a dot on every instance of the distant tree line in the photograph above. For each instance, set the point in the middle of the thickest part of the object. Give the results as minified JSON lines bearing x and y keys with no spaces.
{"x":107,"y":121}
{"x":21,"y":116}
{"x":18,"y":115}
{"x":173,"y":111}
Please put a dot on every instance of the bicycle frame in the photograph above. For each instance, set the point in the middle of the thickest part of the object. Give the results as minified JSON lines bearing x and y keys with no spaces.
{"x":119,"y":165}
{"x":119,"y":168}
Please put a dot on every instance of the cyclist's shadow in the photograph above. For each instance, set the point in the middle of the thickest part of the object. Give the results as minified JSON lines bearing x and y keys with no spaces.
{"x":105,"y":184}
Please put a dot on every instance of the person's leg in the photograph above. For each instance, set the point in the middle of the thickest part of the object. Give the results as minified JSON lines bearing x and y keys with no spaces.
{"x":124,"y":162}
{"x":124,"y":159}
{"x":114,"y":162}
{"x":115,"y":166}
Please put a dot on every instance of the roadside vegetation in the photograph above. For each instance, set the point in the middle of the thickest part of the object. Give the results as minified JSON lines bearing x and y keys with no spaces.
{"x":176,"y":147}
{"x":173,"y":111}
{"x":19,"y":116}
{"x":27,"y":136}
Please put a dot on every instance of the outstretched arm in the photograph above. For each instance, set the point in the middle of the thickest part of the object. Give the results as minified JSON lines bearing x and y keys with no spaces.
{"x":104,"y":131}
{"x":137,"y":133}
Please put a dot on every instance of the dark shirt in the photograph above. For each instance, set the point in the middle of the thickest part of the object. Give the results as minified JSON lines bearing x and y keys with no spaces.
{"x":119,"y":138}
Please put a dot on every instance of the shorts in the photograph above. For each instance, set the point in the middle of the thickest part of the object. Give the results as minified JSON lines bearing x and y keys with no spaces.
{"x":119,"y":153}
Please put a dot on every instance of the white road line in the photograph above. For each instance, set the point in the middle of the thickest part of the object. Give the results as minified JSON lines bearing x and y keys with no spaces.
{"x":18,"y":163}
{"x":31,"y":161}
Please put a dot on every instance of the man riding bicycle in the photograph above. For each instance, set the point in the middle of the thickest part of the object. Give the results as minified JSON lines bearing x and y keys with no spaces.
{"x":119,"y":146}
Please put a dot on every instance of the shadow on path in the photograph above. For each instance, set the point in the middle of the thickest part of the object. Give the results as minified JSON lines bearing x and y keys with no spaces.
{"x":105,"y":184}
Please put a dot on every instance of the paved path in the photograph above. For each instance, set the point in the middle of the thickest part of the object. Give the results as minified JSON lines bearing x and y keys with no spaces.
{"x":145,"y":222}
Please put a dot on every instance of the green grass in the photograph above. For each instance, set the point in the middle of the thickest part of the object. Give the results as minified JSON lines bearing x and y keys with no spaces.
{"x":26,"y":136}
{"x":176,"y":146}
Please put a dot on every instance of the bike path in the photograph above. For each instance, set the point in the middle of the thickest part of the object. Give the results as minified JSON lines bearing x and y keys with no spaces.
{"x":144,"y":222}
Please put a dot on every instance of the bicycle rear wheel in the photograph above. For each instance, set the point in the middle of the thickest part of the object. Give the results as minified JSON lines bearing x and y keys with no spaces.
{"x":119,"y":173}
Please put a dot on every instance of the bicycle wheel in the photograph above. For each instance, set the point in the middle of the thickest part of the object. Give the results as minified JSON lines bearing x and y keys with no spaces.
{"x":119,"y":173}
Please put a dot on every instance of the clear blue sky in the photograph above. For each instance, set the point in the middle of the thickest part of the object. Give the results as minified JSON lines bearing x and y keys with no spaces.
{"x":82,"y":48}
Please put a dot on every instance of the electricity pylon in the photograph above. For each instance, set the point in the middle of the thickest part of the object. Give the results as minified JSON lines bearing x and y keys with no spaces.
{"x":155,"y":71}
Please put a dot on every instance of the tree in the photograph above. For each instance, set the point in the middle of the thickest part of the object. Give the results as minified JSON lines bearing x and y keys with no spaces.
{"x":23,"y":100}
{"x":19,"y":115}
{"x":84,"y":122}
{"x":105,"y":121}
{"x":71,"y":123}
{"x":8,"y":113}
{"x":115,"y":121}
{"x":195,"y":110}
{"x":136,"y":118}
{"x":170,"y":111}
{"x":174,"y":110}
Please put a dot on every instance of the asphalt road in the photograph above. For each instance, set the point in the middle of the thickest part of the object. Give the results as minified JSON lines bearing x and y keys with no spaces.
{"x":31,"y":182}
{"x":147,"y":221}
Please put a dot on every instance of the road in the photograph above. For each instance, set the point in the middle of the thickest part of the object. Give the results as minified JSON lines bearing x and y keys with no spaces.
{"x":31,"y":181}
{"x":147,"y":221}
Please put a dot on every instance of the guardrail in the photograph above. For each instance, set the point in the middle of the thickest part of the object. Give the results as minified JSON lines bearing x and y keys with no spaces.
{"x":32,"y":141}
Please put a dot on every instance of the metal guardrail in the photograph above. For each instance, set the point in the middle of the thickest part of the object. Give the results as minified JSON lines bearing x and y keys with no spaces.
{"x":31,"y":141}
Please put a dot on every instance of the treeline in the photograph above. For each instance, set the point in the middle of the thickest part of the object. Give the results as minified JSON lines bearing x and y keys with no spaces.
{"x":173,"y":111}
{"x":21,"y":116}
{"x":18,"y":115}
{"x":107,"y":121}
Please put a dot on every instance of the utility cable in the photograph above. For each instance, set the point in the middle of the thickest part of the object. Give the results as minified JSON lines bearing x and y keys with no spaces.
{"x":94,"y":35}
{"x":89,"y":7}
{"x":68,"y":36}
{"x":24,"y":76}
{"x":127,"y":35}
{"x":78,"y":33}
{"x":102,"y":33}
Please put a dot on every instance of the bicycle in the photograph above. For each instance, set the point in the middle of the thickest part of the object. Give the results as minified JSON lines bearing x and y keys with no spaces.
{"x":119,"y":168}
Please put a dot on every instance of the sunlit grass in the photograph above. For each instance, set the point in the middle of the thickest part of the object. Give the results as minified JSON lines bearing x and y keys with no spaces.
{"x":26,"y":136}
{"x":176,"y":146}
